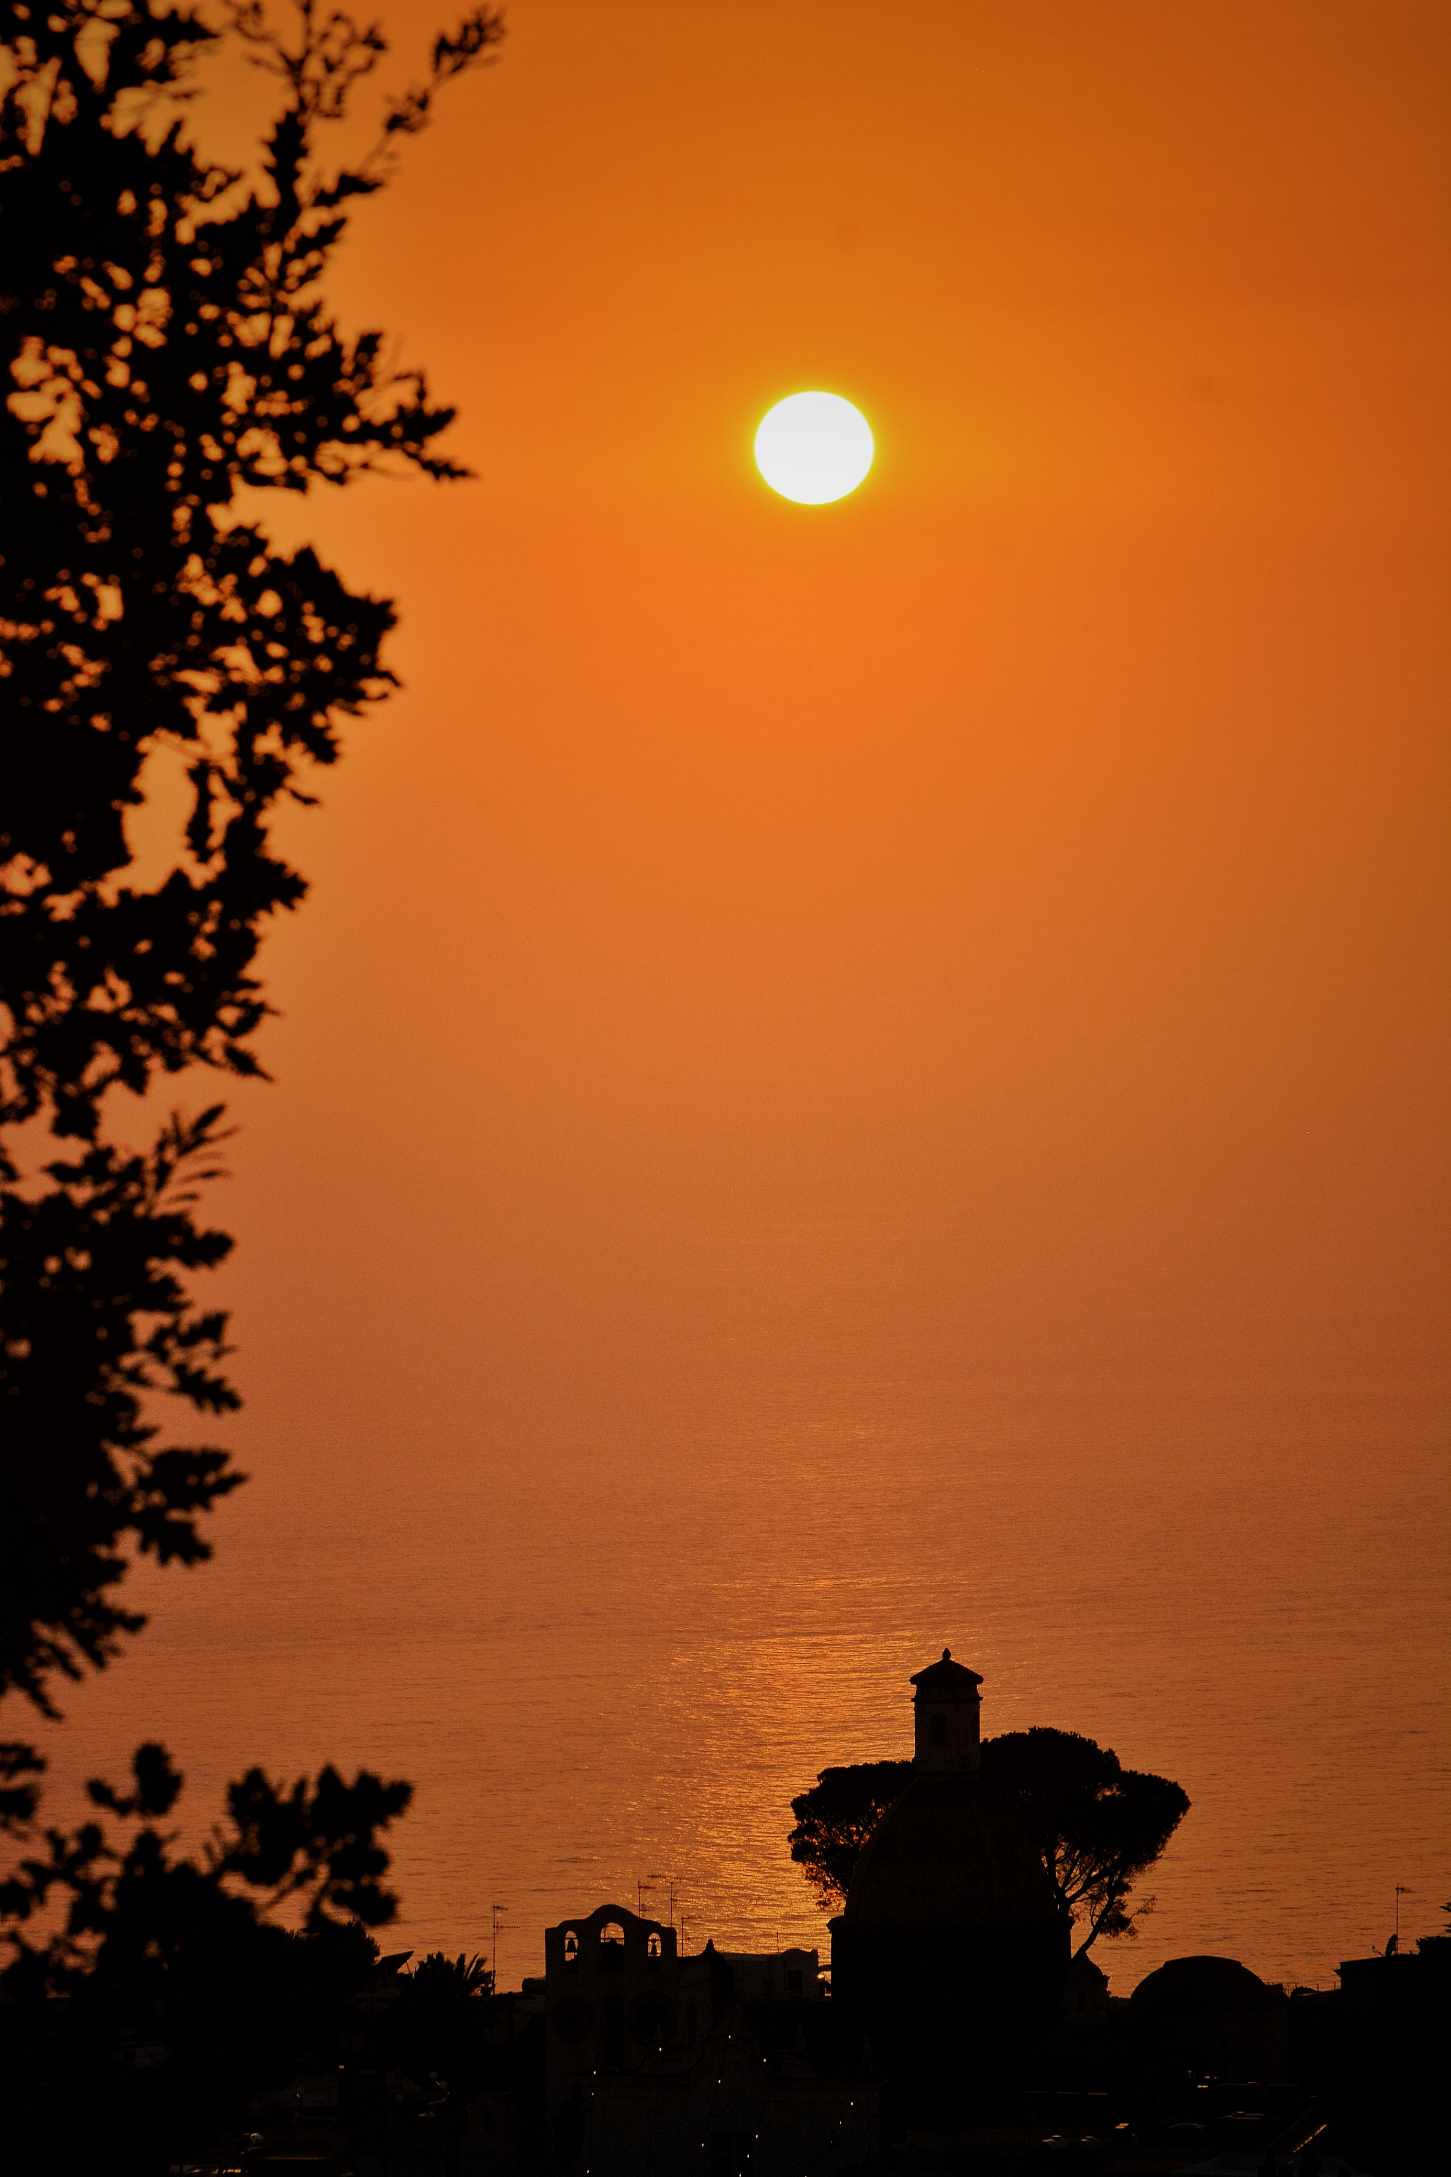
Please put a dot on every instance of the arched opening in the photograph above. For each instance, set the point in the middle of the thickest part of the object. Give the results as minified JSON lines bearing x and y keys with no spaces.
{"x":652,"y":1944}
{"x":612,"y":1932}
{"x":571,"y":1946}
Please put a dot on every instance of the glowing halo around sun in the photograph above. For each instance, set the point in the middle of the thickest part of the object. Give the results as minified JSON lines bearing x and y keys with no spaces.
{"x":814,"y":447}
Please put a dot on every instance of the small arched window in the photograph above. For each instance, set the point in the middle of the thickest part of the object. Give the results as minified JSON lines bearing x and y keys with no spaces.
{"x":612,"y":1932}
{"x":652,"y":1944}
{"x":571,"y":1946}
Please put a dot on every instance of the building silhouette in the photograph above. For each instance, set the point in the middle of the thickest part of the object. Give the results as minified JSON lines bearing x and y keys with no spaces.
{"x":951,"y":1951}
{"x":720,"y":2062}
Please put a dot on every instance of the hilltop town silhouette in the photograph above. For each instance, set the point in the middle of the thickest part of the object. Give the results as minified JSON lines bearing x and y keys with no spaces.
{"x":949,"y":2030}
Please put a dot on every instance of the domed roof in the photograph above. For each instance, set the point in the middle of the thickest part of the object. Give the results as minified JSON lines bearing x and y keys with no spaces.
{"x":945,"y":1855}
{"x":1203,"y":1983}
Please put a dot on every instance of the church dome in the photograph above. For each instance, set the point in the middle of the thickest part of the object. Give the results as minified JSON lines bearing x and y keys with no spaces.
{"x":949,"y":1854}
{"x":1211,"y":2014}
{"x":1200,"y":1984}
{"x":950,"y":1949}
{"x":945,"y":1857}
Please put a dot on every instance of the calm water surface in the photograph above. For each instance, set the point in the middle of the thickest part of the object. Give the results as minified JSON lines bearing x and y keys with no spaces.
{"x":609,"y":1643}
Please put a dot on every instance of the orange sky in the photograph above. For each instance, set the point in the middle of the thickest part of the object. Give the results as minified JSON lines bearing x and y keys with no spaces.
{"x":1043,"y":844}
{"x":915,"y":1029}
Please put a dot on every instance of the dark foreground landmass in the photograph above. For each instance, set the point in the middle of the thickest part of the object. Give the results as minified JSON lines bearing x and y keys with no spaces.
{"x":626,"y":2056}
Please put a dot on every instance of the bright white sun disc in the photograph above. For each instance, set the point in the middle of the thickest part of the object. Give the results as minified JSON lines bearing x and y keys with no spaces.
{"x":813,"y":447}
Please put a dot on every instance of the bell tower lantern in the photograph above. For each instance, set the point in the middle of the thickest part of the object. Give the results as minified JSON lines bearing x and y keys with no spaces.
{"x":946,"y":1706}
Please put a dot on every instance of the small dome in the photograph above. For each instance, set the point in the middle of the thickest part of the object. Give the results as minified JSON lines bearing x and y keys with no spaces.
{"x":946,"y":1856}
{"x":1200,"y":1984}
{"x":1211,"y":2014}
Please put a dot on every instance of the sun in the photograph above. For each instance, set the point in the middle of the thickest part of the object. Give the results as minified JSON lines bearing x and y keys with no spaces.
{"x":814,"y":447}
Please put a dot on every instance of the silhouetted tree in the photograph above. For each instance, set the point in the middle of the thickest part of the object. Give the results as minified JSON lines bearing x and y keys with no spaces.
{"x":835,"y":1819}
{"x":157,"y":1976}
{"x":1097,"y":1825}
{"x":435,"y":2028}
{"x":167,"y":357}
{"x":452,"y":1978}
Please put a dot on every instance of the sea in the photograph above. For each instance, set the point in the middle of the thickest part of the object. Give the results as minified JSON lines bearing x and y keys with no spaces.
{"x":610,"y":1639}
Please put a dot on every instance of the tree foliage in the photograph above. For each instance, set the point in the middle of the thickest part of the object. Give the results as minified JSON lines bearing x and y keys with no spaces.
{"x":156,"y":1974}
{"x":98,"y":1320}
{"x":458,"y":1979}
{"x":1096,"y":1825}
{"x":171,"y":678}
{"x":129,"y":1903}
{"x":835,"y":1820}
{"x":167,"y":357}
{"x":436,"y":2026}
